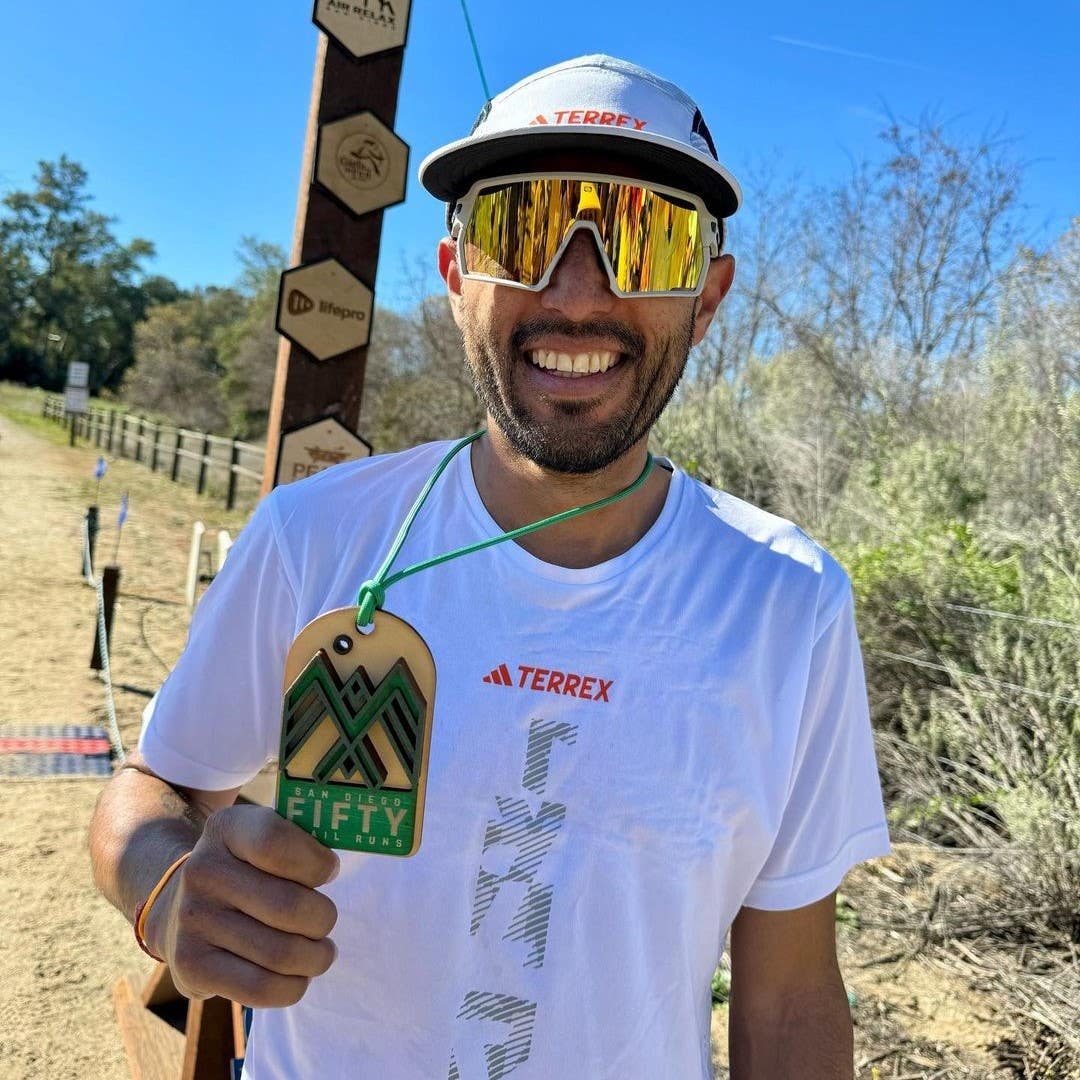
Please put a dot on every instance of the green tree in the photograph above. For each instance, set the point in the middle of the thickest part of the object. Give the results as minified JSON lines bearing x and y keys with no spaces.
{"x":69,"y":290}
{"x":178,"y":367}
{"x":248,"y":346}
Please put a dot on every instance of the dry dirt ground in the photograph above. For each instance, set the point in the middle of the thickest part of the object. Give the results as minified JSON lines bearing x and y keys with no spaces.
{"x":65,"y":946}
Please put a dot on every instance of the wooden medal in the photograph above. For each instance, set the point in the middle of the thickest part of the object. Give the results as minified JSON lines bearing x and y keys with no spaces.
{"x":356,"y":733}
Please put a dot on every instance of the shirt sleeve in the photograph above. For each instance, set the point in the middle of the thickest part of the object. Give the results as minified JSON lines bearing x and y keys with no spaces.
{"x":833,"y":817}
{"x":215,"y":721}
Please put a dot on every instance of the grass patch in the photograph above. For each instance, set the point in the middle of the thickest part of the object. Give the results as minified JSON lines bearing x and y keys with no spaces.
{"x":23,"y":405}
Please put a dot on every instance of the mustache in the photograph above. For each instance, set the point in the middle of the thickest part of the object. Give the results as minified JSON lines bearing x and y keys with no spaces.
{"x":539,"y":325}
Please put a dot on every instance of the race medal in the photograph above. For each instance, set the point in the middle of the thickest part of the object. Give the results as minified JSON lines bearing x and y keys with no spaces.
{"x":356,"y":733}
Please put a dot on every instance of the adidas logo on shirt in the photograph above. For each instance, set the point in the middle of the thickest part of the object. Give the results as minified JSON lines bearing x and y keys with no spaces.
{"x":500,"y":676}
{"x":548,"y":680}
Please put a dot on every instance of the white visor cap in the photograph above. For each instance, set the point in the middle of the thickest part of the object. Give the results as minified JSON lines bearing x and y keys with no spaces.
{"x":585,"y":104}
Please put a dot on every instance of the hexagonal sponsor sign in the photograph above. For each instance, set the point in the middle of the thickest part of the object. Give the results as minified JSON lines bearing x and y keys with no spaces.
{"x":362,"y":163}
{"x":364,"y":27}
{"x":313,"y":447}
{"x":324,"y":309}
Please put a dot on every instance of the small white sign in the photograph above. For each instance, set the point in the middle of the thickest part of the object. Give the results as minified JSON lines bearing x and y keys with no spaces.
{"x":78,"y":373}
{"x":76,"y":399}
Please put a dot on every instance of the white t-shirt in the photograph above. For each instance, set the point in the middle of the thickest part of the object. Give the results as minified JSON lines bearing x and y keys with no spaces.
{"x":584,"y":852}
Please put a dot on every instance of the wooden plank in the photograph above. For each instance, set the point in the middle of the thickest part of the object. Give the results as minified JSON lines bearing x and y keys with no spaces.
{"x":210,"y":1040}
{"x":239,"y":1039}
{"x":154,"y":1048}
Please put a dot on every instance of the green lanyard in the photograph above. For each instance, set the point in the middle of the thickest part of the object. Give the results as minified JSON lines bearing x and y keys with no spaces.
{"x":372,"y":594}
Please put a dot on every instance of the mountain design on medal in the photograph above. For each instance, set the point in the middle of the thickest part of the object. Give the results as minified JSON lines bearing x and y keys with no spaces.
{"x":355,"y":733}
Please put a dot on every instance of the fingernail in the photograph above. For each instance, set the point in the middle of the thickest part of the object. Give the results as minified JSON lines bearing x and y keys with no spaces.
{"x":337,"y":869}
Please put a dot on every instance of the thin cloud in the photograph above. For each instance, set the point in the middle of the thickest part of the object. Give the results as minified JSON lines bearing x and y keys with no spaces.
{"x":837,"y":51}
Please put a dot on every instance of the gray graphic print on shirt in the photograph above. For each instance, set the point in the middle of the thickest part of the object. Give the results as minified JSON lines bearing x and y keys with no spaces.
{"x":530,"y":836}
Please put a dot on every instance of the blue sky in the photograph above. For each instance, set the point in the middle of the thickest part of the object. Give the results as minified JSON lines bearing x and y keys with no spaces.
{"x":190,"y":116}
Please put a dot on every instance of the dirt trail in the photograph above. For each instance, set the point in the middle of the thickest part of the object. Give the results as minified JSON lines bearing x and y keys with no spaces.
{"x":64,"y":945}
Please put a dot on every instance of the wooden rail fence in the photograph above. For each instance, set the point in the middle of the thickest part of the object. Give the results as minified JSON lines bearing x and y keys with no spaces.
{"x":188,"y":456}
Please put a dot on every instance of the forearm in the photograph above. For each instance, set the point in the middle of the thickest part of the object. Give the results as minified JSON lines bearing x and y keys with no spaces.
{"x":802,"y":1037}
{"x":140,"y":826}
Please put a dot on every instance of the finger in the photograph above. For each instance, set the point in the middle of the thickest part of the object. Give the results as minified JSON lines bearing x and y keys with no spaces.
{"x":281,"y":953}
{"x":259,"y":836}
{"x":215,"y":879}
{"x":217,"y":971}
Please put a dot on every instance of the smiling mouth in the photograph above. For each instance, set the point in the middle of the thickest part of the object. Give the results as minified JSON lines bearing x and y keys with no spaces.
{"x":573,"y":366}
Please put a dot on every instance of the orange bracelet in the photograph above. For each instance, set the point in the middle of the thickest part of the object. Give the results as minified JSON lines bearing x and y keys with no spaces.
{"x":144,"y":908}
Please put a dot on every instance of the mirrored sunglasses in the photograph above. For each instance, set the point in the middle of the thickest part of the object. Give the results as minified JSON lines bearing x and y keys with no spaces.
{"x":655,"y":241}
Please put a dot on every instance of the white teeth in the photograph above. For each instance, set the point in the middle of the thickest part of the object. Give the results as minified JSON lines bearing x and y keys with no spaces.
{"x":544,"y":358}
{"x":582,"y":364}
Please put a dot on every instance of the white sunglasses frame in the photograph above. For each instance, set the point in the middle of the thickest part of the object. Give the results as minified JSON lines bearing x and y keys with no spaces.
{"x":709,"y":233}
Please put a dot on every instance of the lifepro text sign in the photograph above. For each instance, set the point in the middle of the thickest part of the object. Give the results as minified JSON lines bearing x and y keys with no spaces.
{"x":324,"y":309}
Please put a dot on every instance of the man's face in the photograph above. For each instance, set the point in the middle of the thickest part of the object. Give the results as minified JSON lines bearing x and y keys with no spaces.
{"x":626,"y":355}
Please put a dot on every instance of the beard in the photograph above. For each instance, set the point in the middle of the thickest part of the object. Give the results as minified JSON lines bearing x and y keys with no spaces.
{"x":570,"y":442}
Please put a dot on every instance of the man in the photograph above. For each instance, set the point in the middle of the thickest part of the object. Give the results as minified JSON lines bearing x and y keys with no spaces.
{"x":650,"y":723}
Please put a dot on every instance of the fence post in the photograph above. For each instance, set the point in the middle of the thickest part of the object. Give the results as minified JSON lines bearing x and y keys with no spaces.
{"x":154,"y":448}
{"x":112,"y":428}
{"x":200,"y":487}
{"x":110,"y":583}
{"x":234,"y":461}
{"x":139,"y":439}
{"x":177,"y":444}
{"x":194,"y":558}
{"x":123,"y":432}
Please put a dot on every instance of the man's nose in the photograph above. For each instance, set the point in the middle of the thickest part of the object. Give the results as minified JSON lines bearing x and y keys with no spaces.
{"x":579,"y":285}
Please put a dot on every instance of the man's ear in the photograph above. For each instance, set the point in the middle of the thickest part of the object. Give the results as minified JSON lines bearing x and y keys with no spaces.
{"x":720,"y":275}
{"x":450,"y":272}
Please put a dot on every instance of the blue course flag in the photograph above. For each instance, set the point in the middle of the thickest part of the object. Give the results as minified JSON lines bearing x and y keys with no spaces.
{"x":99,"y":468}
{"x":122,"y":516}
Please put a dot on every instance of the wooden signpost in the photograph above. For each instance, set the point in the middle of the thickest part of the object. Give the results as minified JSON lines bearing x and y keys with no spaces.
{"x":354,"y":166}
